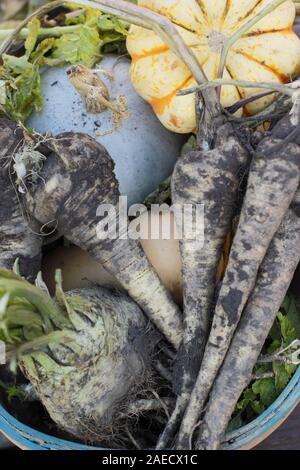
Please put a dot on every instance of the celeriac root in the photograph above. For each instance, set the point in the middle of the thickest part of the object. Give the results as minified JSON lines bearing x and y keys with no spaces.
{"x":89,"y":368}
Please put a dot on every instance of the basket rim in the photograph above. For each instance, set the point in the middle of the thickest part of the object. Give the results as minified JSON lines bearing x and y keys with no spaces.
{"x":29,"y":438}
{"x":274,"y":414}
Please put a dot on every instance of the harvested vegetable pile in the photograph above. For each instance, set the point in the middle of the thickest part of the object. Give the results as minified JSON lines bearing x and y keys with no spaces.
{"x":218,"y":70}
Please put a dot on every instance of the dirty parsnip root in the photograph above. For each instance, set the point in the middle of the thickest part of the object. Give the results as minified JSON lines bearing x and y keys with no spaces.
{"x":77,"y":177}
{"x":18,"y":241}
{"x":273,"y":180}
{"x":274,"y":278}
{"x":210,"y":177}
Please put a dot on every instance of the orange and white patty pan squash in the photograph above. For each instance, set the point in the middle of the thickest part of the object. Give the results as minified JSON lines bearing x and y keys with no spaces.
{"x":269,"y":52}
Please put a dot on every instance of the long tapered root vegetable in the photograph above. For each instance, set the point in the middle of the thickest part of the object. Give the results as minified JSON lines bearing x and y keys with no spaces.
{"x":210,"y":178}
{"x":274,"y":279}
{"x":88,"y":368}
{"x":75,"y":179}
{"x":18,"y":241}
{"x":273,"y":181}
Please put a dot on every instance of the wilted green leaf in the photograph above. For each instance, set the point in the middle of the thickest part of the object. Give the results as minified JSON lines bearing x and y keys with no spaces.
{"x":17,"y":316}
{"x":23,"y":94}
{"x":247,"y":397}
{"x":235,"y":423}
{"x":38,"y":55}
{"x":283,"y":373}
{"x":275,"y":346}
{"x":16,"y":65}
{"x":33,"y":33}
{"x":82,"y":46}
{"x":291,"y":309}
{"x":262,"y":393}
{"x":92,"y":35}
{"x":111,"y":23}
{"x":12,"y":391}
{"x":266,"y":390}
{"x":189,"y":146}
{"x":287,"y":330}
{"x":258,"y":407}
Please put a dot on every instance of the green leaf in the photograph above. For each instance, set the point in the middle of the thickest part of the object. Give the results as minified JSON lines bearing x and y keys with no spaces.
{"x":275,"y":333}
{"x":266,"y":390}
{"x":235,"y":423}
{"x":287,"y":330}
{"x":275,"y":346}
{"x":15,"y":392}
{"x":29,"y":333}
{"x":33,"y":33}
{"x":22,"y":85}
{"x":17,"y":316}
{"x":82,"y":46}
{"x":12,"y":391}
{"x":16,"y":65}
{"x":93,"y":35}
{"x":26,"y":97}
{"x":283,"y":373}
{"x":249,"y":394}
{"x":262,"y":393}
{"x":247,"y":397}
{"x":293,"y":312}
{"x":115,"y":47}
{"x":38,"y":55}
{"x":111,"y":23}
{"x":74,"y":20}
{"x":258,"y":407}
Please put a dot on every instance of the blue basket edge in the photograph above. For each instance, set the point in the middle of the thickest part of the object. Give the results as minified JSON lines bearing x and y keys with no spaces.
{"x":32,"y":439}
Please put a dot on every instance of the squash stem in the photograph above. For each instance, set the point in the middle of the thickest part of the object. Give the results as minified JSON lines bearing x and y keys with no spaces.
{"x":57,"y":31}
{"x":244,"y":29}
{"x":284,"y":89}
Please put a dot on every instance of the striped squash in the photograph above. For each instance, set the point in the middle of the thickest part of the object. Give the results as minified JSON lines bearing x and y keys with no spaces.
{"x":269,"y":52}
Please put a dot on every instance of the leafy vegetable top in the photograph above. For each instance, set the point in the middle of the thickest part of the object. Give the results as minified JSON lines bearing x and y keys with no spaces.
{"x":82,"y":37}
{"x":276,"y":366}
